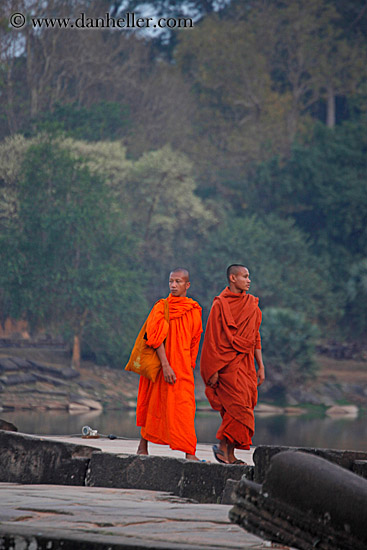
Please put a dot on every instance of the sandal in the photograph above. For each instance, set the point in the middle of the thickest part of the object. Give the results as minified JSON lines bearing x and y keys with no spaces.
{"x":217,"y":453}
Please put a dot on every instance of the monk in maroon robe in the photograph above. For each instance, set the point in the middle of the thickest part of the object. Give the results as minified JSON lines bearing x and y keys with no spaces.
{"x":231,"y":343}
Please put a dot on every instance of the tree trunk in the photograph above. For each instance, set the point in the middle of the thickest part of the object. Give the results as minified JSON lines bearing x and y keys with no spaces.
{"x":10,"y":103}
{"x":75,"y":361}
{"x":330,"y":117}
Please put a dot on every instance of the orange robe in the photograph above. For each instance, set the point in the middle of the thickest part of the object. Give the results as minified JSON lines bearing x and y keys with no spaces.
{"x":231,"y":337}
{"x":166,"y":412}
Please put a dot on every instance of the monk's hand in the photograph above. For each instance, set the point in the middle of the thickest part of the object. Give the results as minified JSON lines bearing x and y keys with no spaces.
{"x":213,"y":380}
{"x":168,"y":373}
{"x":260,"y":376}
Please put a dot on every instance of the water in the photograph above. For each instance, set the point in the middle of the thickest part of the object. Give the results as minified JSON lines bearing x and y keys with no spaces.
{"x":300,"y":431}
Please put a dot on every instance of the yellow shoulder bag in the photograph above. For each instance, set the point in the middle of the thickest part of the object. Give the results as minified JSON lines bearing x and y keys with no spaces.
{"x":144,"y":359}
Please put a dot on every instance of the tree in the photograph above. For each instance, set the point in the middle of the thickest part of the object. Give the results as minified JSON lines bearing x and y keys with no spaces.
{"x":157,"y":194}
{"x":154,"y":198}
{"x":355,"y":318}
{"x":65,"y":66}
{"x":68,"y":262}
{"x":284,"y":272}
{"x":314,"y":60}
{"x":165,"y":212}
{"x":353,"y":16}
{"x":239,"y":112}
{"x":105,"y":120}
{"x":288,"y":343}
{"x":322,"y":186}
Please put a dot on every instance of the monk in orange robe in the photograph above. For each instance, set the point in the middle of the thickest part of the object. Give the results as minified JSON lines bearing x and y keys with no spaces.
{"x":231,"y":342}
{"x":166,"y":408}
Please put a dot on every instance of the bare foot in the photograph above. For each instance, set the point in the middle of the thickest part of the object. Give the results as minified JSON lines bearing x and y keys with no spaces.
{"x":143,"y":447}
{"x":192,"y":457}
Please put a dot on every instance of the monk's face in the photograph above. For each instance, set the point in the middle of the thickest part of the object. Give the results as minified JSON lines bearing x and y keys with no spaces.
{"x":178,"y":284}
{"x":240,"y":281}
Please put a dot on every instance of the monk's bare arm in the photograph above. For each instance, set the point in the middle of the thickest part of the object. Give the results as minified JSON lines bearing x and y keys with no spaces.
{"x":261,"y":368}
{"x":168,"y":372}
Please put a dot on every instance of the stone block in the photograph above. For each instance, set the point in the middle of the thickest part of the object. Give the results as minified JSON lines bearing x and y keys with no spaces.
{"x":6,"y":364}
{"x":20,"y":362}
{"x":264,"y":453}
{"x":87,"y":402}
{"x":15,"y":379}
{"x":231,"y":485}
{"x":305,"y":502}
{"x":67,"y":373}
{"x":359,"y":467}
{"x":49,"y":379}
{"x":134,"y":472}
{"x":7,"y":426}
{"x":203,"y":482}
{"x":229,"y":493}
{"x":30,"y":460}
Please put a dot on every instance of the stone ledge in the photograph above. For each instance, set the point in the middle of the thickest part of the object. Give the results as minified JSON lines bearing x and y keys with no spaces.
{"x":32,"y":460}
{"x":305,"y":502}
{"x":264,"y":453}
{"x":360,"y":468}
{"x":24,"y":538}
{"x":203,"y":482}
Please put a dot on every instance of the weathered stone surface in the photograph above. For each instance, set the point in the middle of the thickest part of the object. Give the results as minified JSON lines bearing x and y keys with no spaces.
{"x":230,"y":491}
{"x":89,"y":403}
{"x":305,"y":502}
{"x":200,"y":481}
{"x":7,"y":426}
{"x":359,"y":467}
{"x":343,"y":410}
{"x":231,"y":485}
{"x":50,"y":379}
{"x":264,"y":453}
{"x":66,"y":373}
{"x":77,"y":407}
{"x":20,"y":362}
{"x":205,"y":482}
{"x":311,"y":484}
{"x":6,"y":364}
{"x":15,"y":379}
{"x":27,"y":459}
{"x":265,"y":408}
{"x":89,"y":518}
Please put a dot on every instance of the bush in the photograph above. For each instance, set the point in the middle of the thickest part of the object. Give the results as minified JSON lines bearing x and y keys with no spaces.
{"x":288,"y":342}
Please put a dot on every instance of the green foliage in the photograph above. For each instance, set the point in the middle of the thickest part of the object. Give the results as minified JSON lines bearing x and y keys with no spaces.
{"x":165,"y":213}
{"x":102,"y":121}
{"x":283,"y":270}
{"x":288,"y":343}
{"x":158,"y":138}
{"x":154,"y":197}
{"x":323,"y":187}
{"x":355,"y":318}
{"x":69,"y":262}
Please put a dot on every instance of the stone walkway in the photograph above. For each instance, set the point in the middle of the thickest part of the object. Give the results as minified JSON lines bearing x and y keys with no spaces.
{"x":94,"y":518}
{"x":129,"y":446}
{"x":45,"y":516}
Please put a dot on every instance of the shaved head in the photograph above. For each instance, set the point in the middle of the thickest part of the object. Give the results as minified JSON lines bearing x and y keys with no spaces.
{"x":184,"y":273}
{"x":234,"y":269}
{"x":179,"y":282}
